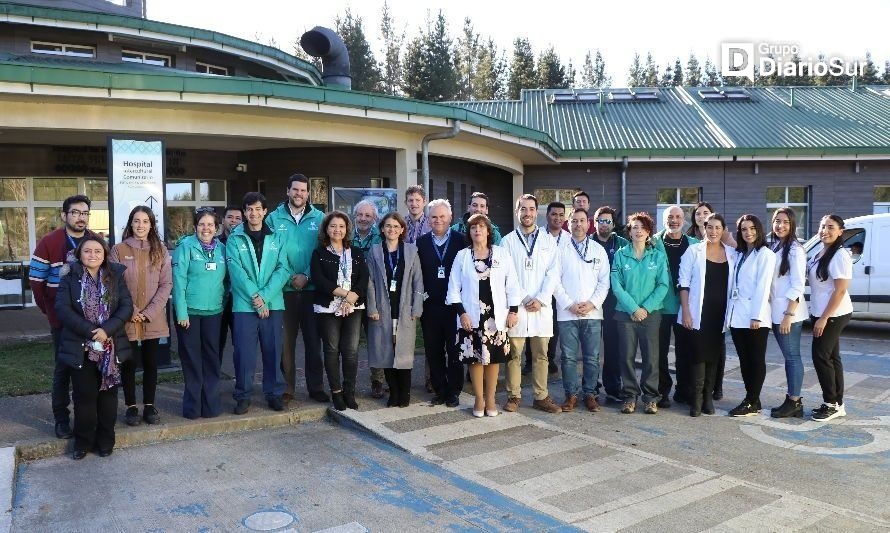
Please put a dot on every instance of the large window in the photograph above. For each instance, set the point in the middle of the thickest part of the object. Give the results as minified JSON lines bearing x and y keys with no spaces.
{"x":148,"y":58}
{"x":61,"y":49}
{"x":207,"y":68}
{"x":797,"y":198}
{"x":685,"y":197}
{"x":13,"y":219}
{"x":882,"y":199}
{"x":183,"y":197}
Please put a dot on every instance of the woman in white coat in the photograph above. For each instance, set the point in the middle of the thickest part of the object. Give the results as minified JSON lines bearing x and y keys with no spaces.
{"x":484,"y":291}
{"x":748,"y":314}
{"x":789,"y":308}
{"x":704,"y":290}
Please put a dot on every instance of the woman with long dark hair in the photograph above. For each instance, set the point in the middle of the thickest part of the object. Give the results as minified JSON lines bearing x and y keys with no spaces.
{"x":829,"y":273}
{"x":341,"y":281}
{"x":149,"y":278}
{"x":748,"y":311}
{"x":788,"y":306}
{"x":93,"y":304}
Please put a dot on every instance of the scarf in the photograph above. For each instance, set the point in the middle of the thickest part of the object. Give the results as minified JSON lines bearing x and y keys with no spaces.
{"x":95,"y":300}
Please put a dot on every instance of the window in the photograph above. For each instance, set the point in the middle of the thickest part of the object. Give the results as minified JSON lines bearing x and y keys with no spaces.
{"x":882,"y":199}
{"x":183,"y":197}
{"x":131,"y":56}
{"x":59,"y":49}
{"x":449,"y":192}
{"x":797,"y":198}
{"x":685,"y":197}
{"x":545,"y":196}
{"x":207,"y":68}
{"x":463,"y":194}
{"x":379,"y":183}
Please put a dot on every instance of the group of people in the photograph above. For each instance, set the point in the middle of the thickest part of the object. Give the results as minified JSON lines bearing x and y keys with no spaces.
{"x":481,"y":299}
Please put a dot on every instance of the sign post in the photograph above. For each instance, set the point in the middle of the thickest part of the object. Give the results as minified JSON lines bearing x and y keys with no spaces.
{"x":136,"y":177}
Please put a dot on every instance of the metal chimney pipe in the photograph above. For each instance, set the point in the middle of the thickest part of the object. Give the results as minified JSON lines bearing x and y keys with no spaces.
{"x":325,"y":43}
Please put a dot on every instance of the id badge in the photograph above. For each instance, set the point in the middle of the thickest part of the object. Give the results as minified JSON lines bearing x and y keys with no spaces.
{"x":529,"y":265}
{"x":392,"y":285}
{"x":735,"y":294}
{"x":210,"y":265}
{"x":441,"y":273}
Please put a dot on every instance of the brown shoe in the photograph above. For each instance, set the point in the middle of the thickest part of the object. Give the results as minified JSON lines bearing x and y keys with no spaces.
{"x":376,"y":389}
{"x":651,"y":408}
{"x":287,"y":398}
{"x":569,"y":405}
{"x":592,"y":405}
{"x":547,"y":405}
{"x":512,"y":404}
{"x":629,"y":407}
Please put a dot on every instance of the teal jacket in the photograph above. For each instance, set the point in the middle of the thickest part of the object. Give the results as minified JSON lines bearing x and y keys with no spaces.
{"x":461,"y":227}
{"x":671,"y":303}
{"x":247,"y":278}
{"x":370,"y":240}
{"x":640,"y":283}
{"x":298,"y":239}
{"x":197,"y":290}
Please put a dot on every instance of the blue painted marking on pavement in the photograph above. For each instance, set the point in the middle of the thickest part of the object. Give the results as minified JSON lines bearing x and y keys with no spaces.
{"x":651,"y":430}
{"x":194,"y":509}
{"x":494,"y":511}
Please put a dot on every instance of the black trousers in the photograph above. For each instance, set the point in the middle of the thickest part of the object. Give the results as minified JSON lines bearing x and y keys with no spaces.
{"x":300,"y":316}
{"x":664,"y":345}
{"x":827,"y":359}
{"x":200,"y":366}
{"x":225,"y":326}
{"x":61,"y":395}
{"x":750,"y":344}
{"x":610,"y":361}
{"x":148,"y":355}
{"x":95,"y":411}
{"x":439,"y":323}
{"x":339,"y":338}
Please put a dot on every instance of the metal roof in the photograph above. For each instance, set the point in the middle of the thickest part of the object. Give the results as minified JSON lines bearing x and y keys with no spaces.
{"x":772,"y":121}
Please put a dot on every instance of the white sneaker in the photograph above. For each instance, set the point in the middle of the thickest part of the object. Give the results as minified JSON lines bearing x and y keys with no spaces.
{"x":831,"y":411}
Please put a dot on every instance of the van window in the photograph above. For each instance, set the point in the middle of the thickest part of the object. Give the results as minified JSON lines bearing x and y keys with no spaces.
{"x":852,"y":238}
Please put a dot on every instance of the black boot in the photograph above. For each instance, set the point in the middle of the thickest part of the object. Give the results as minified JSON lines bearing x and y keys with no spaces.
{"x":404,"y":380}
{"x":698,"y":385}
{"x":708,"y":393}
{"x":337,"y":399}
{"x":392,"y":383}
{"x":790,"y":408}
{"x":349,"y":395}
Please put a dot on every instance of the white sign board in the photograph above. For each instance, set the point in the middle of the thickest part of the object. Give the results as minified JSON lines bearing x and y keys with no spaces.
{"x":137,"y":178}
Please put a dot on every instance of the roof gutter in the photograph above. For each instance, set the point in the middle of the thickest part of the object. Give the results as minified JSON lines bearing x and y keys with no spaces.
{"x":425,"y":151}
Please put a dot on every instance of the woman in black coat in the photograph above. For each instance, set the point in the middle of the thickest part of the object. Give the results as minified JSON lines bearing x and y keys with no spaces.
{"x":93,"y":304}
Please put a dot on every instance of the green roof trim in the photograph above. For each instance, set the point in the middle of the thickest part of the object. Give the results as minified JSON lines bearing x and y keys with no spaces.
{"x":164,"y":28}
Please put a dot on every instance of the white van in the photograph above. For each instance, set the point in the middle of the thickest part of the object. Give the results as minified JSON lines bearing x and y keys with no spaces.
{"x":868,"y":239}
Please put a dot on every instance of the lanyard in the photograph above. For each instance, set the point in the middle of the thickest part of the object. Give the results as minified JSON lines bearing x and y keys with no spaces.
{"x":393,"y":265}
{"x":71,"y":241}
{"x":529,"y":250}
{"x":441,"y":255}
{"x":582,"y":255}
{"x":738,"y":266}
{"x":344,"y":264}
{"x":558,"y":237}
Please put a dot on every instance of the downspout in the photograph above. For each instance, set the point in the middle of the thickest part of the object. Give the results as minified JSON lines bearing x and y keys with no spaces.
{"x":425,"y":152}
{"x":623,"y":188}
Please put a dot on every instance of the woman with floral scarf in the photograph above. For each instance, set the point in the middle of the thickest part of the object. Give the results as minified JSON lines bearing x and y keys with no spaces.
{"x":93,"y":304}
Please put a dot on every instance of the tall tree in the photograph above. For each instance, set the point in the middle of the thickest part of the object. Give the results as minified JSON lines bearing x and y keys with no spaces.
{"x":650,"y":78}
{"x":593,"y":73}
{"x":522,"y":68}
{"x":393,"y":40}
{"x":711,"y":77}
{"x":550,"y":72}
{"x":466,"y":57}
{"x":667,"y":76}
{"x":886,"y":77}
{"x":636,"y":74}
{"x":767,"y":80}
{"x":870,"y":74}
{"x":693,"y":75}
{"x":491,"y":68}
{"x":571,"y":74}
{"x":429,"y":72}
{"x":677,"y":75}
{"x":301,"y":54}
{"x":364,"y":70}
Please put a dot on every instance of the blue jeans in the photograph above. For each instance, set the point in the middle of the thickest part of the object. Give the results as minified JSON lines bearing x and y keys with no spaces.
{"x":247,"y":328}
{"x":580,"y":336}
{"x":790,"y":346}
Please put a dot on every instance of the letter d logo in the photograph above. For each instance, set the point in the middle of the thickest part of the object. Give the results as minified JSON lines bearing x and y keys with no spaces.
{"x":737,"y":59}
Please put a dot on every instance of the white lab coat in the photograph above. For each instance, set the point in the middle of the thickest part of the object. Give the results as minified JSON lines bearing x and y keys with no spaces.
{"x":463,"y":286}
{"x":790,"y":286}
{"x":538,"y":282}
{"x":580,"y":281}
{"x":563,"y":240}
{"x":751,"y":284}
{"x":692,"y":276}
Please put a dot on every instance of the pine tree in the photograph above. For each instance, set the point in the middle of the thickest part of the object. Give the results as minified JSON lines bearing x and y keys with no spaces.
{"x":466,"y":56}
{"x":363,"y":66}
{"x":766,"y":80}
{"x":650,"y":76}
{"x":712,"y":78}
{"x":550,"y":72}
{"x":677,"y":76}
{"x":636,"y":74}
{"x":571,"y":74}
{"x":429,"y":72}
{"x":301,"y":54}
{"x":491,"y":68}
{"x":522,"y":68}
{"x":870,"y":75}
{"x":393,"y":40}
{"x":693,"y":75}
{"x":667,"y":77}
{"x":593,"y":73}
{"x":886,"y":78}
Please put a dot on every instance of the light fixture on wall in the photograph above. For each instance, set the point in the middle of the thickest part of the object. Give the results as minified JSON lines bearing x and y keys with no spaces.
{"x":241,"y":167}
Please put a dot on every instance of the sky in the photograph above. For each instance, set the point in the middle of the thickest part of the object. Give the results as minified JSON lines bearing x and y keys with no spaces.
{"x":617,"y":28}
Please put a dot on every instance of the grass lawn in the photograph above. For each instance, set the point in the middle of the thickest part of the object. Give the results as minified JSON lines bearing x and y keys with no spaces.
{"x":27,"y":368}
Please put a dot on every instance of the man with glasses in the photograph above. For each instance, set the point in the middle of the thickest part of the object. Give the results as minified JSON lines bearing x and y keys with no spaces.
{"x":55,"y":250}
{"x":606,"y":237}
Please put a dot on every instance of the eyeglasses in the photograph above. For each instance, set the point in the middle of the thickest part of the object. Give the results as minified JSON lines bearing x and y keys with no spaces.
{"x":77,"y":213}
{"x":603,"y":221}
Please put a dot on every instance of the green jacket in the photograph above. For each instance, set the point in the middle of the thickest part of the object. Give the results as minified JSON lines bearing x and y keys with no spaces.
{"x":671,"y":303}
{"x":461,"y":227}
{"x":197,"y":290}
{"x":298,"y":239}
{"x":365,"y":244}
{"x":640,"y":283}
{"x":247,"y":278}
